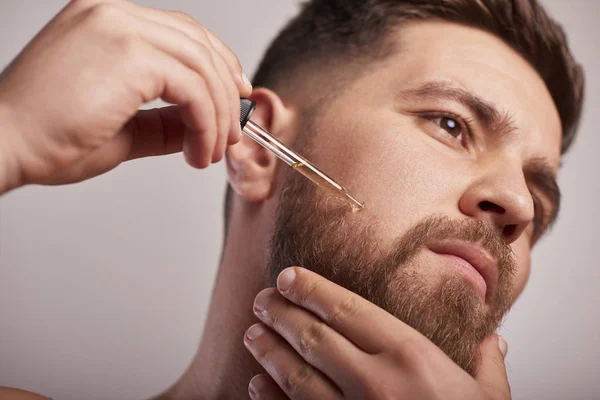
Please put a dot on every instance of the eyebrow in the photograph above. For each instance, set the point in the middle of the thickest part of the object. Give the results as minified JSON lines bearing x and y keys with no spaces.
{"x":538,"y":171}
{"x":487,"y":113}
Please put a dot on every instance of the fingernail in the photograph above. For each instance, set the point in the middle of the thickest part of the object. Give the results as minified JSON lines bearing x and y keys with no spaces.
{"x":286,"y":278}
{"x":257,"y":384}
{"x":261,"y":301}
{"x":503,"y":345}
{"x":246,"y":80}
{"x":252,"y":391}
{"x":255,"y":332}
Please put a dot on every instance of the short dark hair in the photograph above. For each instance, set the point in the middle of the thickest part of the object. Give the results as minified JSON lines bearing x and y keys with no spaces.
{"x":358,"y":30}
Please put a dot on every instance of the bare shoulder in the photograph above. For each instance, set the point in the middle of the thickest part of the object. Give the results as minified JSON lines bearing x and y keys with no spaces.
{"x":17,"y":394}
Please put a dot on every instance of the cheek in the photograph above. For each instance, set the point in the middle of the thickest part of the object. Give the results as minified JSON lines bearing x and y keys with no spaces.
{"x":392,"y":167}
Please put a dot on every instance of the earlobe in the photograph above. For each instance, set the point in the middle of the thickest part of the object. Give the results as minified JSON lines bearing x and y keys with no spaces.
{"x":250,"y":167}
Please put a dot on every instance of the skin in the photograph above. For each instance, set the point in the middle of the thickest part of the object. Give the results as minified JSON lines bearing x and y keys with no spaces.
{"x":58,"y":127}
{"x":16,"y":394}
{"x":326,"y":342}
{"x":371,"y":138}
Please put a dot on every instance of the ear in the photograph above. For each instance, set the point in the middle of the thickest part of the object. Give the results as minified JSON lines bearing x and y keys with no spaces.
{"x":251,"y":168}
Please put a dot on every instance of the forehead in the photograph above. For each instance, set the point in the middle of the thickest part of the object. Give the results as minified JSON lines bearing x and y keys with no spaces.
{"x":481,"y":63}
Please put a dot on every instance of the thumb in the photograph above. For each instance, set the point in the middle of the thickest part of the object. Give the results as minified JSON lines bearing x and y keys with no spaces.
{"x":491,"y":371}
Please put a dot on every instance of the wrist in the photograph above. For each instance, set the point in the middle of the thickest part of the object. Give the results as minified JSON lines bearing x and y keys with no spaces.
{"x":10,"y":171}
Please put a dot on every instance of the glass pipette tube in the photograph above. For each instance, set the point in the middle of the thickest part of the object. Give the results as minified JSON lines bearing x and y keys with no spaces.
{"x":299,"y":163}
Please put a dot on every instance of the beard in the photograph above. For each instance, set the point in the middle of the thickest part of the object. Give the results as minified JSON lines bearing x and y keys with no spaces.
{"x":313,"y":231}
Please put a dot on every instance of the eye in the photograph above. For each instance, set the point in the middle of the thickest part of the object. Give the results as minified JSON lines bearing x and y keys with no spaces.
{"x":451,"y":126}
{"x":444,"y":124}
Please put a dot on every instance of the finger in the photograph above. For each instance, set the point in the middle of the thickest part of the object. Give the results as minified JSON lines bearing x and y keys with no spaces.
{"x":186,"y":34}
{"x":175,"y":83}
{"x":263,"y":387}
{"x":186,"y":23}
{"x":233,"y":99}
{"x":491,"y":371}
{"x":198,"y":145}
{"x":296,"y":378}
{"x":228,"y":66}
{"x":232,"y":61}
{"x":200,"y":59}
{"x":235,"y":133}
{"x":195,"y":32}
{"x":316,"y":342}
{"x":369,"y":327}
{"x":199,"y":116}
{"x":155,"y":132}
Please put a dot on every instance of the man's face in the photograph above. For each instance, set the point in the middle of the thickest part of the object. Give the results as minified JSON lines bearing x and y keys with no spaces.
{"x":453,"y":144}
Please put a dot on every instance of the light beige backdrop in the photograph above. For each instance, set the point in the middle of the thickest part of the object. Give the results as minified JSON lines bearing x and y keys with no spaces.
{"x":104,"y":285}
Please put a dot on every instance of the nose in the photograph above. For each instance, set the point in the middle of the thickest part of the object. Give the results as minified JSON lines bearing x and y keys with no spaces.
{"x":500,"y":196}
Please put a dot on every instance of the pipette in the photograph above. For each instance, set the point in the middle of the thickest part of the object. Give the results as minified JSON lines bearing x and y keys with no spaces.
{"x":290,"y":157}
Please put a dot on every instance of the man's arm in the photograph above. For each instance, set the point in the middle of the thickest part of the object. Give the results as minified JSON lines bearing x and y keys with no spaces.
{"x":17,"y":394}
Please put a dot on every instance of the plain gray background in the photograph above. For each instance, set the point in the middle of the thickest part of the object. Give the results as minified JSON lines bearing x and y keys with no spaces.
{"x":104,"y":285}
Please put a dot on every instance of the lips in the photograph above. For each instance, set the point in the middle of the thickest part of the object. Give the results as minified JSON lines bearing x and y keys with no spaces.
{"x":472,"y":260}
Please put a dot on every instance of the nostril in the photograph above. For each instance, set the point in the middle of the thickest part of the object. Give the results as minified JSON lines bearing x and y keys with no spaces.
{"x":491,"y":207}
{"x":509,"y":231}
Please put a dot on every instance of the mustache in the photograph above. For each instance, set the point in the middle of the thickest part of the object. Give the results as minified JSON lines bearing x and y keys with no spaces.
{"x":436,"y":227}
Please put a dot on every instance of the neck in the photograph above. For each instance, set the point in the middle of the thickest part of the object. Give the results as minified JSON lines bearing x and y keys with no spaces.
{"x":222,"y":367}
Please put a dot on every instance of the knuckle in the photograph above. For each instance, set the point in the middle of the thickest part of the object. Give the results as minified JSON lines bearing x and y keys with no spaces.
{"x":183,"y":15}
{"x":415,"y":357}
{"x":82,"y":4}
{"x":205,"y":53}
{"x":297,"y":379}
{"x":198,"y":30}
{"x":229,"y":57}
{"x":201,"y":33}
{"x":263,"y":352}
{"x":344,"y":310}
{"x":305,"y":291}
{"x":129,"y":46}
{"x":311,"y":337}
{"x":104,"y":12}
{"x":233,"y":61}
{"x":277,"y":316}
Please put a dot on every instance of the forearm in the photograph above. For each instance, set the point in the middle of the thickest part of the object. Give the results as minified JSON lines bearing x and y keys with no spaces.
{"x":17,"y":394}
{"x":10,"y":176}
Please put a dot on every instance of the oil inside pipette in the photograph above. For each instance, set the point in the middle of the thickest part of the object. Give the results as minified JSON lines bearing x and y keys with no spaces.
{"x":299,"y":163}
{"x":328,"y":184}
